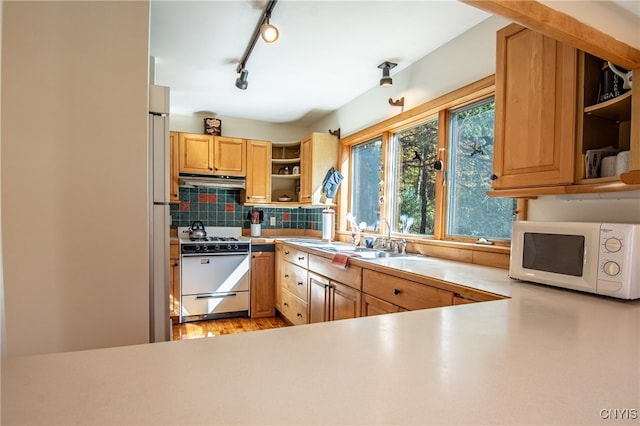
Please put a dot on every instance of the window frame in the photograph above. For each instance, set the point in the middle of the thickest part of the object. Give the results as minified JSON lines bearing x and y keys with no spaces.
{"x":440,"y":108}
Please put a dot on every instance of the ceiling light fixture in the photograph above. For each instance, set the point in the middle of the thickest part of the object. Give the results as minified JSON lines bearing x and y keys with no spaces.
{"x":268,"y":36}
{"x":269,"y":32}
{"x":386,"y":81}
{"x":241,"y":81}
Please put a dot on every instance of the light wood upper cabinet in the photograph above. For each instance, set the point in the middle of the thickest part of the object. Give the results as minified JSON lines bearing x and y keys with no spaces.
{"x":173,"y":168}
{"x":535,"y":113}
{"x":318,"y":154}
{"x":258,"y":172}
{"x":230,"y":156}
{"x":196,"y":153}
{"x":212,"y":155}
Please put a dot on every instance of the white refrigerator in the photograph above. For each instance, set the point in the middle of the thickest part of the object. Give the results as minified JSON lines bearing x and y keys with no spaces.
{"x":159,"y":216}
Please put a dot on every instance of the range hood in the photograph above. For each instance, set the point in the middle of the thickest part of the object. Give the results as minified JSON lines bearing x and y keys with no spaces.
{"x":207,"y":181}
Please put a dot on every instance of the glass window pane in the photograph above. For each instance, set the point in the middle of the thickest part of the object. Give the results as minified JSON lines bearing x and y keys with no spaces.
{"x":365,"y":181}
{"x":470,"y":212}
{"x":416,"y":151}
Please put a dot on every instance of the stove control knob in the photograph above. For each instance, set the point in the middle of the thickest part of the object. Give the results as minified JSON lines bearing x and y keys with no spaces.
{"x":205,"y":248}
{"x":235,"y":247}
{"x":229,"y":247}
{"x":197,"y":248}
{"x":216,"y":247}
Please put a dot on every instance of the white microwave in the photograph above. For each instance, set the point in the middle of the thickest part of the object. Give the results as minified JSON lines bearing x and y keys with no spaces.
{"x":601,"y":258}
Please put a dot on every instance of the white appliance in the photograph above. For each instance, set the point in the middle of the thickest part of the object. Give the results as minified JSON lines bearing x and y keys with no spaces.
{"x":214,"y":274}
{"x":599,"y":258}
{"x":159,"y":216}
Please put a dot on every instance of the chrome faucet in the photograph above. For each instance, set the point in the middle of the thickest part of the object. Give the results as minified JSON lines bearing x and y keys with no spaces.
{"x":388,"y":241}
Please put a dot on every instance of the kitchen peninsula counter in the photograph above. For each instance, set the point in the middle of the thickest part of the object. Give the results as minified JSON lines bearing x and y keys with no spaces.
{"x":542,"y":356}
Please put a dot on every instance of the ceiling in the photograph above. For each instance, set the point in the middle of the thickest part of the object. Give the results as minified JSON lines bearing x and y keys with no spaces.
{"x":327,"y":54}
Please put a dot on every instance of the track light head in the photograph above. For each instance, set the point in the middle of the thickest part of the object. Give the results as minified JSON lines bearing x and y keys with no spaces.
{"x":241,"y":81}
{"x":386,"y":81}
{"x":269,"y":32}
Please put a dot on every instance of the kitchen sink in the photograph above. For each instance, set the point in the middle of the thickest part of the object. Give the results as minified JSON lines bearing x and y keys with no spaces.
{"x":365,"y":253}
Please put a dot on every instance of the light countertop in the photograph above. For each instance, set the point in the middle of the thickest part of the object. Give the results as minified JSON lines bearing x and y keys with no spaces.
{"x":543,"y":356}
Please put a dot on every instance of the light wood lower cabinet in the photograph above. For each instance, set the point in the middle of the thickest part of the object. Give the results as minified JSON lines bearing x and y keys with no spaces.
{"x":407,"y":294}
{"x":294,"y":309}
{"x":262,"y":284}
{"x":309,"y":289}
{"x":174,"y":279}
{"x":373,"y":306}
{"x":330,"y":301}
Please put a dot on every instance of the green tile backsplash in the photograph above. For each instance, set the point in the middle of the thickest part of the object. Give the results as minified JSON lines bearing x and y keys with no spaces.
{"x":222,"y":207}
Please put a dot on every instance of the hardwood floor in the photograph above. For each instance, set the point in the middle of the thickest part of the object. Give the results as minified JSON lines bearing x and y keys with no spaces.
{"x":195,"y":330}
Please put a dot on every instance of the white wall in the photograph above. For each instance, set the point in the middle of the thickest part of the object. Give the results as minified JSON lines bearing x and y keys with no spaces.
{"x":466,"y":59}
{"x":238,"y":127}
{"x":74,"y":175}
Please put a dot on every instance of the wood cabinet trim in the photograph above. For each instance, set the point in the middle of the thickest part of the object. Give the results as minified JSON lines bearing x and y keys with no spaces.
{"x":562,"y":27}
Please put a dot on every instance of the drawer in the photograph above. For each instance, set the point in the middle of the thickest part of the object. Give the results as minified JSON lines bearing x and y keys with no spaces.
{"x":407,"y":294}
{"x":294,"y":309}
{"x":352,"y":276}
{"x":295,"y":256}
{"x":294,"y":279}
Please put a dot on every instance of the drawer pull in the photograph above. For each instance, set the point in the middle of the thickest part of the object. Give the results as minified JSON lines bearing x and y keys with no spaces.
{"x":286,"y":304}
{"x":286,"y":252}
{"x":300,"y":257}
{"x":299,"y":314}
{"x":396,"y":291}
{"x":300,"y":283}
{"x":286,"y":275}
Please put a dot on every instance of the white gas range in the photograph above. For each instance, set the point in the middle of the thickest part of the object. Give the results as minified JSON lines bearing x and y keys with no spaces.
{"x":214,"y":274}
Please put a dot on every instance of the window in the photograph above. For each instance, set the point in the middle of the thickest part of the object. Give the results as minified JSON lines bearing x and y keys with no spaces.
{"x":470,"y":212}
{"x":440,"y":156}
{"x":416,"y":150}
{"x":366,"y":179}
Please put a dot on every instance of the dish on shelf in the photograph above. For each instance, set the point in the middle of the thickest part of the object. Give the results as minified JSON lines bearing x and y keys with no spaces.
{"x":284,"y":198}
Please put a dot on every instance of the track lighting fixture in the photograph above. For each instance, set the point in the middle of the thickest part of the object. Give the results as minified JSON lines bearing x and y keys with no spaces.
{"x":386,"y":80}
{"x":241,"y":81}
{"x":269,"y":32}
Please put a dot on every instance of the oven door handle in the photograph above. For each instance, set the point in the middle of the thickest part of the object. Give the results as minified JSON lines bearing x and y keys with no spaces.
{"x":209,"y":254}
{"x":215,"y":295}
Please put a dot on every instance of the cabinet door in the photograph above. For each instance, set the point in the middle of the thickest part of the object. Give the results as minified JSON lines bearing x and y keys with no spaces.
{"x":258,"y":172}
{"x":535,"y":112}
{"x":306,"y":170}
{"x":196,"y":153}
{"x":344,"y":302}
{"x":262,"y":285}
{"x":374,"y":306}
{"x":318,"y":299}
{"x":173,"y":168}
{"x":229,"y":156}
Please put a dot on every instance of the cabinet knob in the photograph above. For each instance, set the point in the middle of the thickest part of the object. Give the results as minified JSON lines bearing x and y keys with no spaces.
{"x":286,"y":252}
{"x":493,"y":176}
{"x":396,"y":291}
{"x":299,"y":314}
{"x":299,"y":282}
{"x":300,"y":257}
{"x":286,"y":275}
{"x":286,"y":304}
